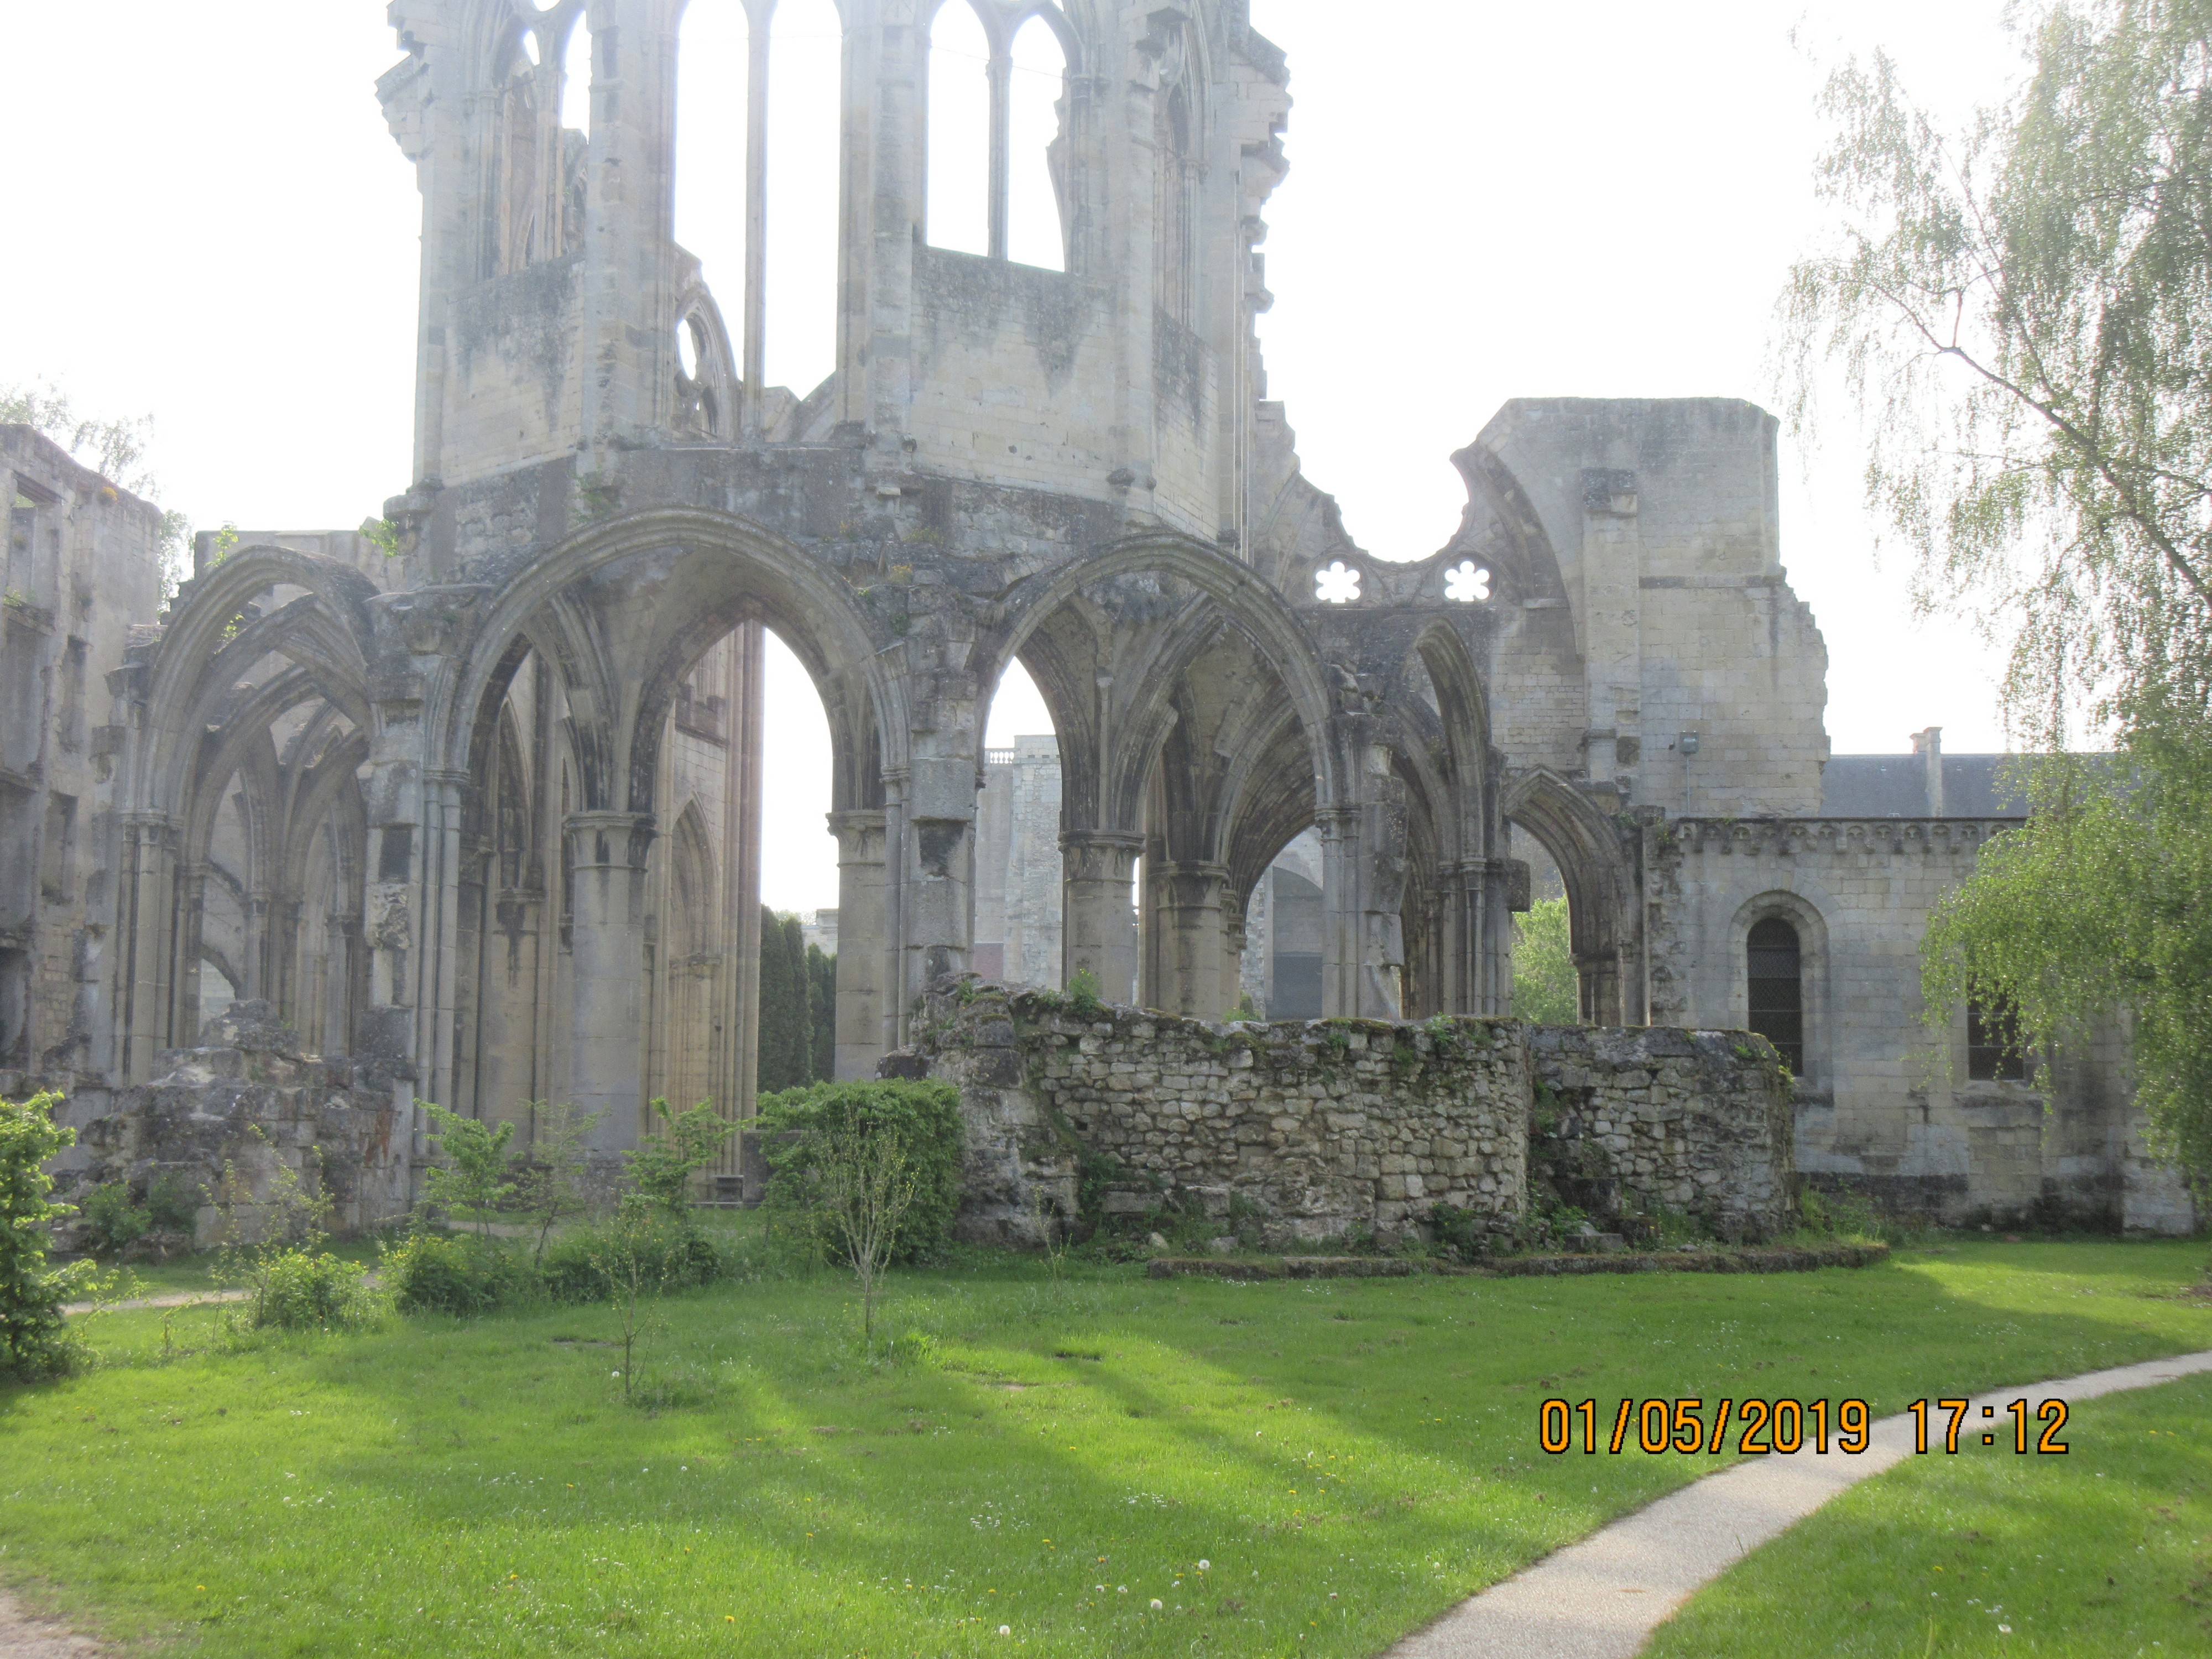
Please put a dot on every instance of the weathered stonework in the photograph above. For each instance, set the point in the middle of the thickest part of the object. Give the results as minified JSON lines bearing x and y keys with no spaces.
{"x":1697,"y":1122}
{"x":1318,"y":1129}
{"x":226,"y":1119}
{"x":472,"y":797}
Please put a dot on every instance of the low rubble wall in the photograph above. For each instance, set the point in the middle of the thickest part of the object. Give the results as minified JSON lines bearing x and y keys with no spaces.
{"x":1652,"y":1117}
{"x":226,"y":1119}
{"x":1318,"y":1129}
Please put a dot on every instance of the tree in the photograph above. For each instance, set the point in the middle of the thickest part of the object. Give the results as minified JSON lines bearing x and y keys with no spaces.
{"x":663,"y":1166}
{"x":787,"y":1042}
{"x":1547,"y":990}
{"x":866,"y":1186}
{"x":821,"y":1011}
{"x":551,"y":1180}
{"x":2023,"y":314}
{"x":475,"y":1175}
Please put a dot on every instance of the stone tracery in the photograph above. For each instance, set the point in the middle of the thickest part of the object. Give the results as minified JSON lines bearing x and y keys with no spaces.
{"x":483,"y":815}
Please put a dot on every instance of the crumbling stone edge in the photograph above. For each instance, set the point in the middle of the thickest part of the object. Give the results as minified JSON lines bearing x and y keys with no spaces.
{"x":1754,"y":1260}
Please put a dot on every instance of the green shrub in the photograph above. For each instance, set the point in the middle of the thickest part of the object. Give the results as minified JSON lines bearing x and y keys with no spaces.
{"x":453,"y":1273}
{"x":172,"y":1204}
{"x":662,"y":1166}
{"x":34,"y":1335}
{"x":587,"y":1265}
{"x":923,"y":1118}
{"x":1461,"y":1235}
{"x":34,"y":1338}
{"x":1083,"y":998}
{"x":473,"y":1173}
{"x":296,"y":1288}
{"x":112,"y":1222}
{"x":1843,"y":1213}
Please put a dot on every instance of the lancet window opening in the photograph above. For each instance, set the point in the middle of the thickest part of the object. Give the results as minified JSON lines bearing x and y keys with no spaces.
{"x":969,"y":173}
{"x":722,"y":198}
{"x":538,"y":112}
{"x":1774,"y":971}
{"x":1175,"y":202}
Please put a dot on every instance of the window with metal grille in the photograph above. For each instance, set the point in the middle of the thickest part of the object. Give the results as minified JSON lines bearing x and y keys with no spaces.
{"x":1995,"y":1050}
{"x":1776,"y":967}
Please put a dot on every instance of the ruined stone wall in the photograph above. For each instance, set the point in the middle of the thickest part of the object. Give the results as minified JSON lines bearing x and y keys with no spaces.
{"x":1641,"y":539}
{"x":1320,"y":1128}
{"x":83,"y":570}
{"x":1698,"y":1122}
{"x":228,"y":1118}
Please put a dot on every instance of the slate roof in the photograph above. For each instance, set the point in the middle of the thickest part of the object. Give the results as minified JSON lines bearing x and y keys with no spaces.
{"x":1896,"y":786}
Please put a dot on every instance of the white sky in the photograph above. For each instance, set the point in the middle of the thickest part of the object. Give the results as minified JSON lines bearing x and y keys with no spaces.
{"x":1485,"y":201}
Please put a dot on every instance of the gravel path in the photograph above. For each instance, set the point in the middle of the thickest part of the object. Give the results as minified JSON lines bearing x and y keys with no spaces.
{"x":22,"y":1636}
{"x":1602,"y":1598}
{"x":172,"y":1299}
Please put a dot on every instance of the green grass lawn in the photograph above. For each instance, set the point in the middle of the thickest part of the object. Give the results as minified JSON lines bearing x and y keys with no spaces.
{"x":2103,"y":1553}
{"x":1347,"y":1457}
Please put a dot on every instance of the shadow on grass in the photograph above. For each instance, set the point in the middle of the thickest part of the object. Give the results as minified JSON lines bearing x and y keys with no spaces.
{"x":1350,"y":1456}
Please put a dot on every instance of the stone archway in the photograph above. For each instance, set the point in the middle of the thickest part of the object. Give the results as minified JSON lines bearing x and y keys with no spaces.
{"x":1595,"y":856}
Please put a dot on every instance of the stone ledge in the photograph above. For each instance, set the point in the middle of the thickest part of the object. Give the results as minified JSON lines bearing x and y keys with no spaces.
{"x":1645,"y":1261}
{"x":1689,"y":1261}
{"x":1288,"y":1266}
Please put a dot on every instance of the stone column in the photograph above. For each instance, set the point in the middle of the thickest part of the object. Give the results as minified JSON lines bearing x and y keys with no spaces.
{"x":1382,"y":889}
{"x":1100,"y":924}
{"x":937,"y":868}
{"x":146,"y":912}
{"x":1339,"y":887}
{"x":1193,"y":937}
{"x":606,"y":1033}
{"x":1600,"y":973}
{"x":880,"y":222}
{"x":191,"y":908}
{"x":439,"y":968}
{"x":1363,"y":895}
{"x":282,"y":949}
{"x":745,"y":691}
{"x":760,"y":17}
{"x":861,"y":934}
{"x":629,"y":259}
{"x":1233,"y":940}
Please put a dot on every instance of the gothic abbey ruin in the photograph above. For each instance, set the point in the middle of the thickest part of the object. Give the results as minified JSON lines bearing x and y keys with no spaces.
{"x":476,"y":815}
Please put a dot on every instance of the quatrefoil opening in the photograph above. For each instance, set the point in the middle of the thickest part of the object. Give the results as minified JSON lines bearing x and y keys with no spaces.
{"x":1337,"y":585}
{"x":1467,"y":583}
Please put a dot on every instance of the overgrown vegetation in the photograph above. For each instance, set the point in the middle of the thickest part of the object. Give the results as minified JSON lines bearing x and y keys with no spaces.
{"x":112,"y":1219}
{"x":804,"y":1131}
{"x":2020,"y":313}
{"x":1546,"y":991}
{"x":649,"y":1243}
{"x":276,"y":1245}
{"x":35,"y":1340}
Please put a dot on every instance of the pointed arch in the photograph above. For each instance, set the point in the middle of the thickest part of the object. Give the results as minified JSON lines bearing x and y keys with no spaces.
{"x":1604,"y":906}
